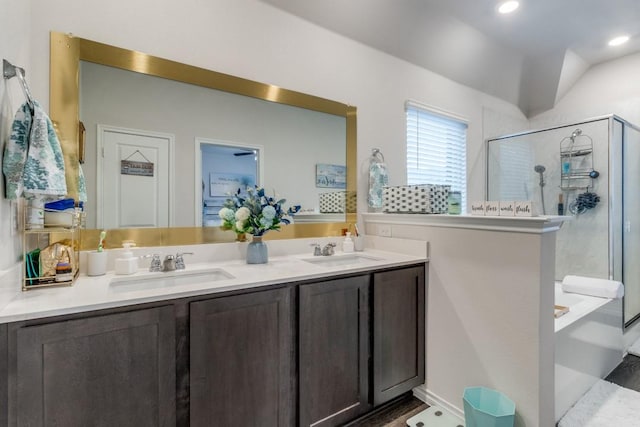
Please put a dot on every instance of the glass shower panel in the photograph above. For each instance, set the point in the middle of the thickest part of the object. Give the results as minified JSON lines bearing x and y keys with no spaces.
{"x":528,"y":166}
{"x":631,"y":223}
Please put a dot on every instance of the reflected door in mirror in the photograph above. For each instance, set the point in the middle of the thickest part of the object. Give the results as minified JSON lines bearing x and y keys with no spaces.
{"x":135,"y":178}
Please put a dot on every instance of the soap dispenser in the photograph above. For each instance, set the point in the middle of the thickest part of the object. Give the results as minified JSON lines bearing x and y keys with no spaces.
{"x":127,"y":263}
{"x":347,"y":244}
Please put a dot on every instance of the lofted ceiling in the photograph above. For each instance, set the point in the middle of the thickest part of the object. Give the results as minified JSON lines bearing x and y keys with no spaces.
{"x":529,"y":58}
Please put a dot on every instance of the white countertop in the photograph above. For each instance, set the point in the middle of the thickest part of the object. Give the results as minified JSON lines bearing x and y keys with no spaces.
{"x":94,"y":293}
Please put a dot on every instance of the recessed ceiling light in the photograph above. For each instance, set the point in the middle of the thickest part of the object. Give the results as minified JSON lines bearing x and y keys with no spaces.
{"x":617,"y":41}
{"x":508,"y":6}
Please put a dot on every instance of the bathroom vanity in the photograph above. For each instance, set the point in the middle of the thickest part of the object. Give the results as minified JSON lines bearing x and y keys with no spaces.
{"x":318,"y":348}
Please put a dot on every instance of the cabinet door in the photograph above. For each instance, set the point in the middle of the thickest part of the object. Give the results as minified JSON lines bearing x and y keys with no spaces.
{"x":111,"y":370}
{"x":241,"y":360}
{"x":334,"y":351}
{"x":4,"y":377}
{"x":398,"y":332}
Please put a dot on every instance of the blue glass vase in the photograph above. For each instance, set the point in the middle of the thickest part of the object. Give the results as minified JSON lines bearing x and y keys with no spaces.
{"x":257,"y":251}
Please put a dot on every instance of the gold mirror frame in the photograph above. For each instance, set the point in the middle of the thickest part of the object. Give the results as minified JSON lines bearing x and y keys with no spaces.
{"x":66,"y":52}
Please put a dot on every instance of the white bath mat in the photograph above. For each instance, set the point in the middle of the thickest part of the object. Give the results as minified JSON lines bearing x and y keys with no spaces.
{"x":434,"y":417}
{"x":605,"y":405}
{"x":635,"y":348}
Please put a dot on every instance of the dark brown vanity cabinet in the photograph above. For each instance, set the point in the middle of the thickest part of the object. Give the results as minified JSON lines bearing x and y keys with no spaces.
{"x":110,"y":370}
{"x":316,"y":353}
{"x":398,"y":332}
{"x":241,"y":361}
{"x":333,"y":351}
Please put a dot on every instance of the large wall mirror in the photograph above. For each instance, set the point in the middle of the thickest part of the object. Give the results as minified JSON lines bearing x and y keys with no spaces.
{"x":186,"y":135}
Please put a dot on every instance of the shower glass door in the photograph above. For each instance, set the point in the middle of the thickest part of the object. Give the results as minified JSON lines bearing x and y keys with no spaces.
{"x":631,"y":223}
{"x":529,"y":166}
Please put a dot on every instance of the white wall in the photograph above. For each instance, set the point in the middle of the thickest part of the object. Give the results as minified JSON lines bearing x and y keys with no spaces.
{"x":612,"y":87}
{"x":14,"y":46}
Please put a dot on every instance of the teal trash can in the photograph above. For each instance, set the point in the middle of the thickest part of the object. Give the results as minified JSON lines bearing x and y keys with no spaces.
{"x":484,"y":407}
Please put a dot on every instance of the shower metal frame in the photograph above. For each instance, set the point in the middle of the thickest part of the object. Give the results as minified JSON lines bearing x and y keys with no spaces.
{"x":615,"y":210}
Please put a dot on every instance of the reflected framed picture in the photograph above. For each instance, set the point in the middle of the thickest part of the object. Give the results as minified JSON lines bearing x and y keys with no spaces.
{"x":331,"y":176}
{"x":225,"y":184}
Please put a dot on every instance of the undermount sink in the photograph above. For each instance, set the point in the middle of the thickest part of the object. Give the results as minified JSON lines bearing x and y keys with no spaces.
{"x":341,"y":260}
{"x":168,"y":279}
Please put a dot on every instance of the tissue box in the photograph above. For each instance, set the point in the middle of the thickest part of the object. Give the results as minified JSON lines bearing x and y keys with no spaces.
{"x":427,"y":198}
{"x":337,"y":202}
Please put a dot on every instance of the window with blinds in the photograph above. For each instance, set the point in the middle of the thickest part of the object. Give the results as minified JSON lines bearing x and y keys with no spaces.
{"x":436,"y":149}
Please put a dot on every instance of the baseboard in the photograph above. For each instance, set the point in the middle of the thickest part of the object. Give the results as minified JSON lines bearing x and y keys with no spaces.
{"x":430,"y":398}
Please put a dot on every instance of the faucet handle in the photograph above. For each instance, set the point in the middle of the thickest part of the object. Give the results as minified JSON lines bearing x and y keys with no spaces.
{"x":180,"y":260}
{"x":328,"y":249}
{"x":316,"y":249}
{"x":156,"y":264}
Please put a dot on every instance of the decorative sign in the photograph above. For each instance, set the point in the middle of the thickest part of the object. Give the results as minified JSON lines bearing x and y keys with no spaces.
{"x":225,"y":184}
{"x":130,"y":167}
{"x":331,"y":176}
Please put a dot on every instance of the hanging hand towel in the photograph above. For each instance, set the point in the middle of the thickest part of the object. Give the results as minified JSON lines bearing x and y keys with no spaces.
{"x":44,"y":170}
{"x":6,"y":116}
{"x":33,"y":162}
{"x":82,"y":185}
{"x":15,"y":153}
{"x":594,"y":287}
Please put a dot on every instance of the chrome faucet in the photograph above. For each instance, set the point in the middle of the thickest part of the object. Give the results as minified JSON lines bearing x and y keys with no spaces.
{"x":180,"y":260}
{"x":328,"y":249}
{"x":169,"y":263}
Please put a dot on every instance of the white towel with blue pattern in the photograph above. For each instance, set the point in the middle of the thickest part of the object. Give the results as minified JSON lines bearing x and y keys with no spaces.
{"x":6,"y":119}
{"x":33,"y":165}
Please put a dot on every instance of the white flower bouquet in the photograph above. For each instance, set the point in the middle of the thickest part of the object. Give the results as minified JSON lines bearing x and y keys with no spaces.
{"x":255,"y":213}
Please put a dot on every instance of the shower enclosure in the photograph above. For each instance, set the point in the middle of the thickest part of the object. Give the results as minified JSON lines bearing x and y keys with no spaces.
{"x":589,"y":170}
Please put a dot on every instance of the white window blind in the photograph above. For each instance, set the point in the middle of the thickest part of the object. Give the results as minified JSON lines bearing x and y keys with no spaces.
{"x":436,"y":150}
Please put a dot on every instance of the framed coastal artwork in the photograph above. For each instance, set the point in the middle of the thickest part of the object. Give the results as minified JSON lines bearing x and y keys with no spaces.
{"x":331,"y":176}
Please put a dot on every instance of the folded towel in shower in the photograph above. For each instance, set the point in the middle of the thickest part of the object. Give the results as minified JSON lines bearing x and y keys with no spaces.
{"x":593,"y":287}
{"x":33,"y":164}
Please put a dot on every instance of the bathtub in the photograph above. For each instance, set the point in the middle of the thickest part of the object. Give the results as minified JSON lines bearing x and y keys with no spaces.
{"x":588,"y":345}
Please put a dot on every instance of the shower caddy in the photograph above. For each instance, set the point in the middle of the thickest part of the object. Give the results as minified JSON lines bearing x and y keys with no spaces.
{"x":577,"y":173}
{"x":576,"y":160}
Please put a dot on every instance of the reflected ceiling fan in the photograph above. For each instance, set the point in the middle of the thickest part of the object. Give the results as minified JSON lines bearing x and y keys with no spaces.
{"x":245,"y":153}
